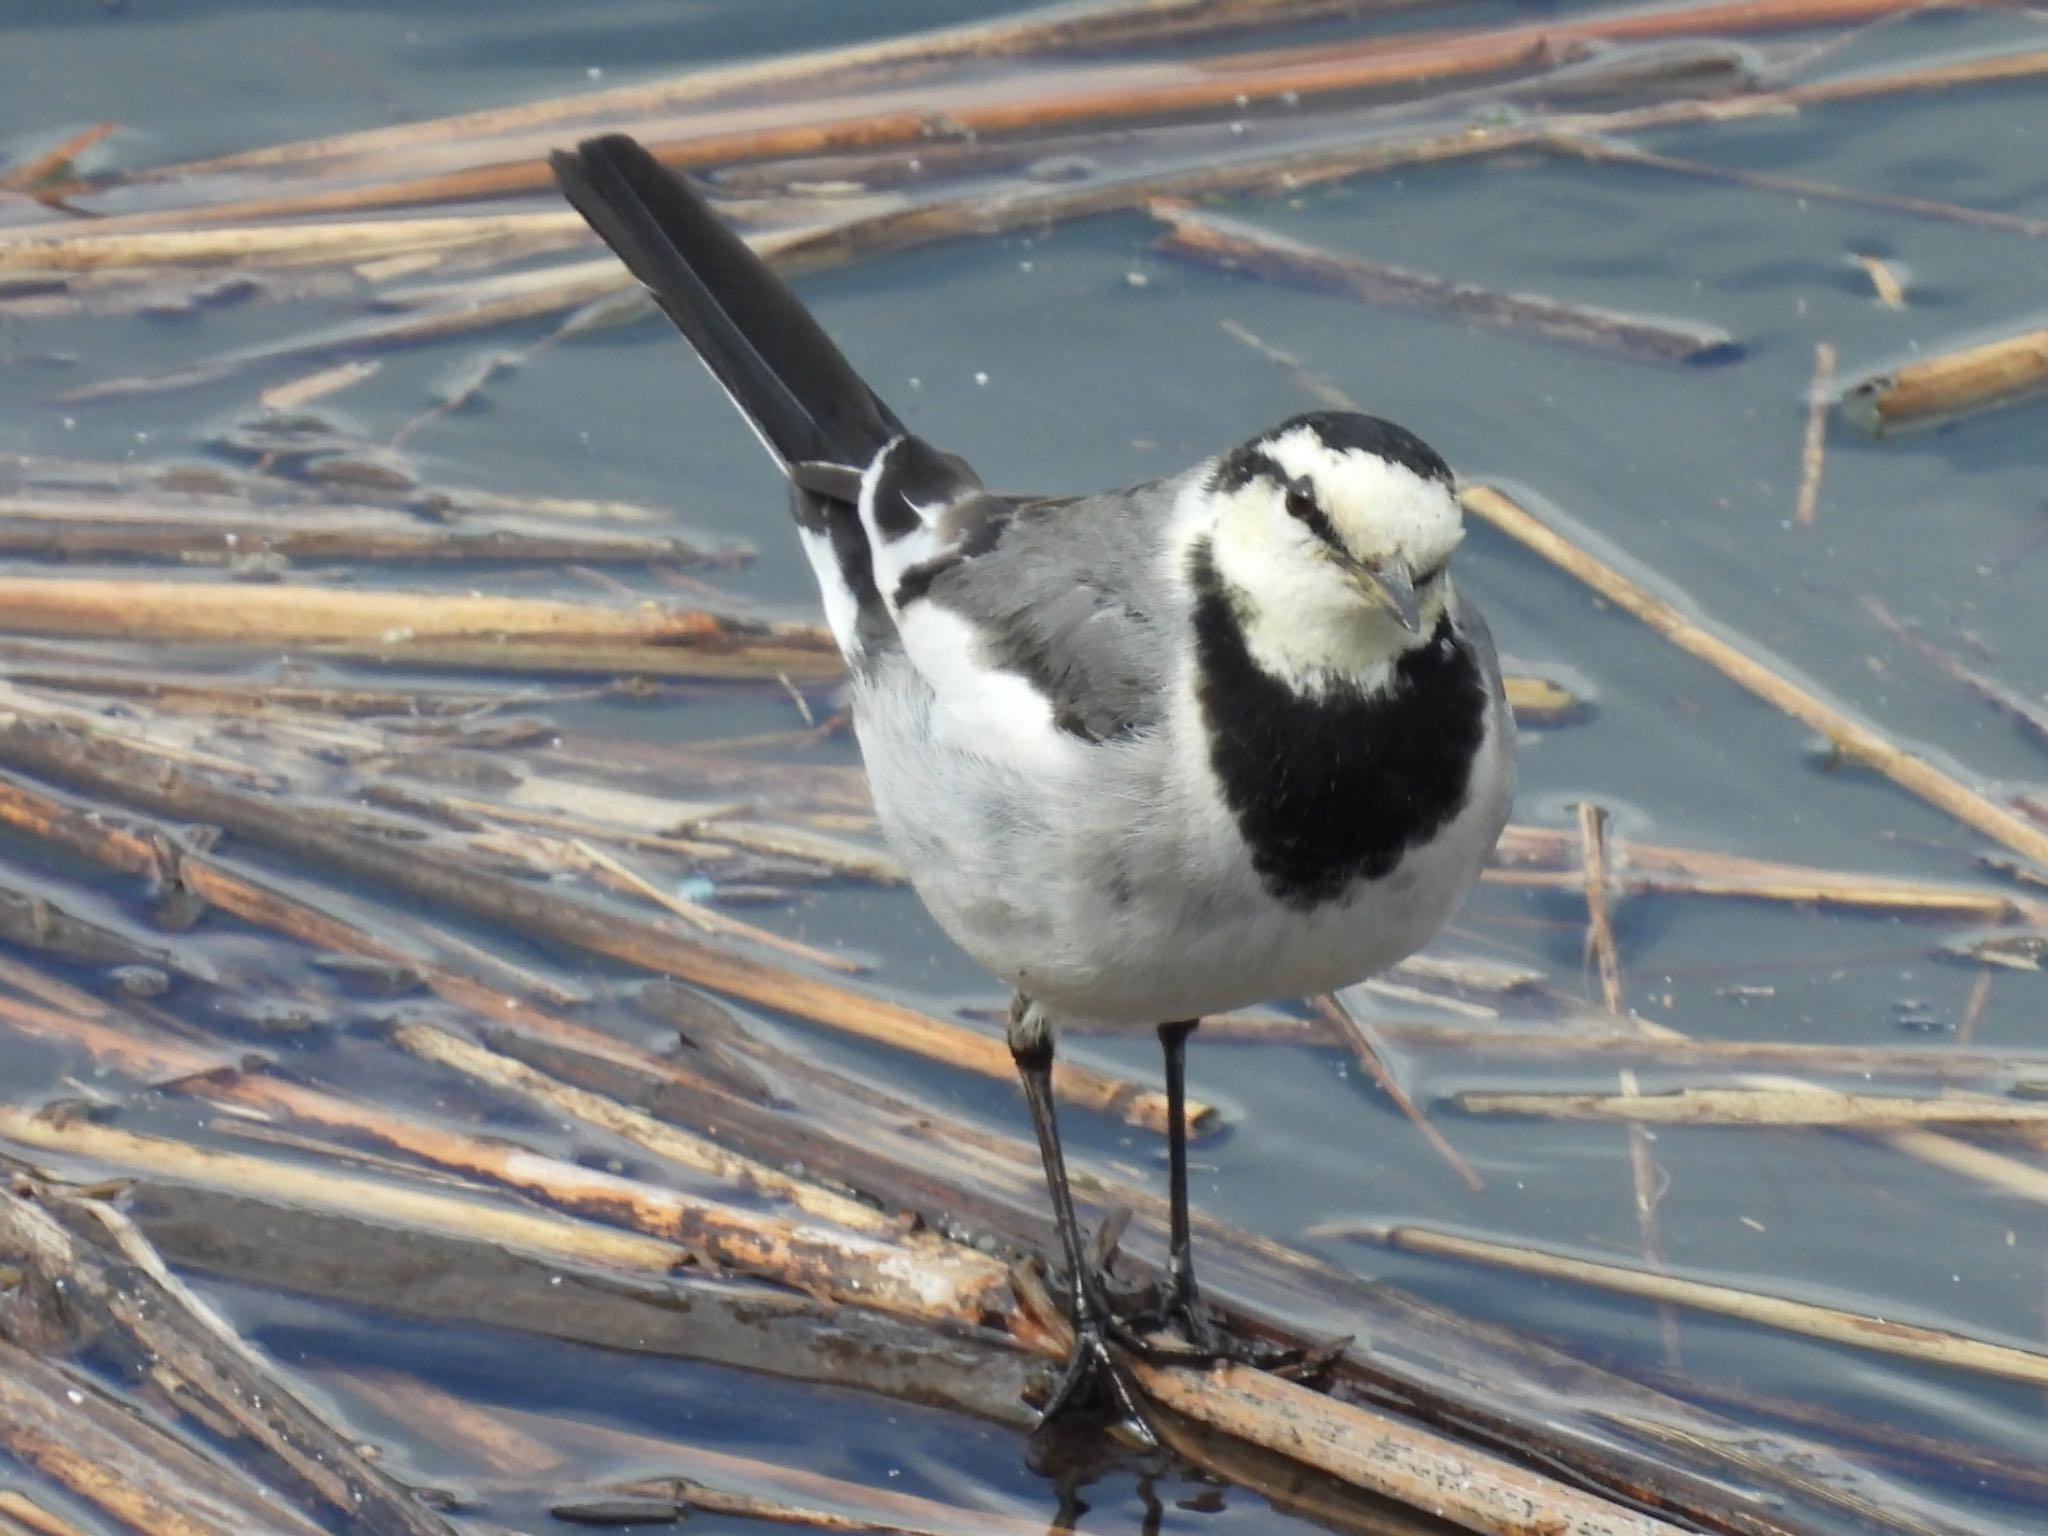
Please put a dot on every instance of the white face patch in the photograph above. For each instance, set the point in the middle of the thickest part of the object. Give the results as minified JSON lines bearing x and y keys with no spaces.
{"x":1380,"y":509}
{"x":1305,"y":619}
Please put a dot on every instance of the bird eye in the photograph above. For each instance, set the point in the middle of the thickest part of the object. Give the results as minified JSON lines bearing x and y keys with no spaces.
{"x":1301,"y":497}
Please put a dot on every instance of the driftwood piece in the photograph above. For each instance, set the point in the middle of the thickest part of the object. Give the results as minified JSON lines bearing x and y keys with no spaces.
{"x":1933,"y":388}
{"x":1337,"y":1436}
{"x":450,"y":1276}
{"x":1465,"y":1378}
{"x":1405,"y":1367}
{"x":119,"y":1301}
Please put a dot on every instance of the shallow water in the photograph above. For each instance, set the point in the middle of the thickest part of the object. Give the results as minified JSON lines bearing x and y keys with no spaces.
{"x":1077,"y":357}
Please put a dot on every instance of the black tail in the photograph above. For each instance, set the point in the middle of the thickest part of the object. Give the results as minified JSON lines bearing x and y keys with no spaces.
{"x":776,"y":362}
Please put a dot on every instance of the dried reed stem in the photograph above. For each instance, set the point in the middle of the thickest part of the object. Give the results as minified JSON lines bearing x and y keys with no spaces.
{"x":1803,"y":1105}
{"x":1227,"y":243}
{"x":1413,"y":1466}
{"x":1357,"y":1036}
{"x":1850,"y":737}
{"x":1814,"y":449}
{"x":1929,"y":1346}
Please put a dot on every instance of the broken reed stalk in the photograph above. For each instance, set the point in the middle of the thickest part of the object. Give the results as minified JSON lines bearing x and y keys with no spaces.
{"x":2028,"y":1180}
{"x":1235,"y":246}
{"x":28,"y":176}
{"x":177,"y":528}
{"x":1548,"y":856}
{"x":708,"y":919}
{"x":120,"y":1044}
{"x":286,"y":614}
{"x":1929,"y":1346}
{"x":1933,"y":388}
{"x":1849,"y":736}
{"x":2010,"y":702}
{"x":1643,"y":1171}
{"x":1357,"y":1036}
{"x":509,"y":1075}
{"x":1615,"y":152}
{"x":1932,"y":1064}
{"x":1813,"y":450}
{"x":1801,"y":1105}
{"x":1599,"y":919}
{"x":82,"y":249}
{"x":457,"y":884}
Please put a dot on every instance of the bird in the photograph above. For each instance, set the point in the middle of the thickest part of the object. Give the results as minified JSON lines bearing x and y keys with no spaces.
{"x":1168,"y":750}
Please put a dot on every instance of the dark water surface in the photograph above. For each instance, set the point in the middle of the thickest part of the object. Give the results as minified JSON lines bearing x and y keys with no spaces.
{"x":1077,"y":357}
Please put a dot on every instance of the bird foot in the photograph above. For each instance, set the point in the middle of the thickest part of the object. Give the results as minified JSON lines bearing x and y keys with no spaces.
{"x":1203,"y":1340}
{"x":1094,"y":1385}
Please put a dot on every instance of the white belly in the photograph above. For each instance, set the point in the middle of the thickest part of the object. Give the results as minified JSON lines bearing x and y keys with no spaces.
{"x":1120,"y":889}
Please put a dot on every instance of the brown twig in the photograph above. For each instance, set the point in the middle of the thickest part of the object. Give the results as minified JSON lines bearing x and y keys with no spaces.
{"x":1814,"y":449}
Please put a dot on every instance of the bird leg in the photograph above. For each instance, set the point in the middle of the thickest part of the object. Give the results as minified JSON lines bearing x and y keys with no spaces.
{"x":1179,"y":1303}
{"x":1092,"y":1378}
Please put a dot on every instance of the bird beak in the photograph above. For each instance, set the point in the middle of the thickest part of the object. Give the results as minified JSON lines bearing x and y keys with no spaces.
{"x":1389,"y":584}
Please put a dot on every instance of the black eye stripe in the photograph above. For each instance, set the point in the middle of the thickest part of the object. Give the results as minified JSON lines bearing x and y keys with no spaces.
{"x":1303,"y":506}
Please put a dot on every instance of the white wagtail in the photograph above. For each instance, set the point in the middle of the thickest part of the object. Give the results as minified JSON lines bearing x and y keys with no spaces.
{"x":1149,"y":754}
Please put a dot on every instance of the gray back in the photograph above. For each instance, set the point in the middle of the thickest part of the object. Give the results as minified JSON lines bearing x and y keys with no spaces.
{"x":1074,"y":596}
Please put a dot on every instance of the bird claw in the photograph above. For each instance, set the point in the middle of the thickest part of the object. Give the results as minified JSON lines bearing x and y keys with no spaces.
{"x":1093,"y":1383}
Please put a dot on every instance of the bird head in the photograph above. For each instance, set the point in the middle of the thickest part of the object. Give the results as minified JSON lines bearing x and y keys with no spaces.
{"x":1332,"y":532}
